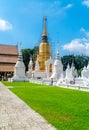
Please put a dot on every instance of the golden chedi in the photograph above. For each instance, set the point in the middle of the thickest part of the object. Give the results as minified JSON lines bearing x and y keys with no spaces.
{"x":44,"y":49}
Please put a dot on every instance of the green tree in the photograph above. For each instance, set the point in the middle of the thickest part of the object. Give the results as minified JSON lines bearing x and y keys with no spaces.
{"x":67,"y":59}
{"x":26,"y":56}
{"x":27,"y":53}
{"x":79,"y":62}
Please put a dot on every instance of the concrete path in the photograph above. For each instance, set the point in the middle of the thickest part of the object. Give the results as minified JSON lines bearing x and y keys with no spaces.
{"x":16,"y":115}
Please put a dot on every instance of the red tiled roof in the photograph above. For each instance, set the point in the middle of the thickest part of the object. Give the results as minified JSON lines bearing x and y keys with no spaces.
{"x":6,"y":68}
{"x":8,"y":49}
{"x":8,"y":59}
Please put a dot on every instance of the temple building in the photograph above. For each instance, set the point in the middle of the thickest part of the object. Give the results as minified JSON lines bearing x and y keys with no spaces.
{"x":8,"y":58}
{"x":44,"y":49}
{"x":44,"y":63}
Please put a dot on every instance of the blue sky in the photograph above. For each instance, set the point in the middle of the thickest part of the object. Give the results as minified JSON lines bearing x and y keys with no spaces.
{"x":67,"y":24}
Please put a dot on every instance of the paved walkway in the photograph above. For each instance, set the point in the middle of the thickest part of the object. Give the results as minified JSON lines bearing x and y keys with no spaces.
{"x":16,"y":115}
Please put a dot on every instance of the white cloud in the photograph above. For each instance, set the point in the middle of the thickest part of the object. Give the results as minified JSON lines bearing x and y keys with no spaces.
{"x":79,"y":45}
{"x":75,"y":45}
{"x":85,"y":32}
{"x":68,"y":6}
{"x":57,"y":3}
{"x":47,"y":7}
{"x":57,"y":9}
{"x":5,"y":25}
{"x":82,"y":30}
{"x":86,"y":3}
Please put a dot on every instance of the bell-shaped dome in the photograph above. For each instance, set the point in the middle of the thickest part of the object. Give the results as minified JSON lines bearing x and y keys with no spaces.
{"x":44,"y":47}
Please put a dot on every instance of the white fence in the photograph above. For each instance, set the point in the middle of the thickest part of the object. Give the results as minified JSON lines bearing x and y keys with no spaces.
{"x":49,"y":82}
{"x":77,"y":87}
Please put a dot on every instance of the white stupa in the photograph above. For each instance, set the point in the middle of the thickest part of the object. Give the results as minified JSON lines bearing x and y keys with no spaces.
{"x":36,"y":73}
{"x":57,"y":68}
{"x":30,"y":65}
{"x":67,"y":72}
{"x":74,"y":70}
{"x":30,"y":68}
{"x":19,"y":69}
{"x":49,"y":63}
{"x":37,"y":64}
{"x":85,"y":72}
{"x":70,"y":74}
{"x":84,"y":79}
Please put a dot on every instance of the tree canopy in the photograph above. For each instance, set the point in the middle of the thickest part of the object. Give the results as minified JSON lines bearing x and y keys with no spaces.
{"x":79,"y":60}
{"x":29,"y":53}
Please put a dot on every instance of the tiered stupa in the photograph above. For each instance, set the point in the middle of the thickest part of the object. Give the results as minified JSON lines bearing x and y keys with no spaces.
{"x":44,"y":49}
{"x":43,"y":64}
{"x":19,"y":69}
{"x":57,"y":68}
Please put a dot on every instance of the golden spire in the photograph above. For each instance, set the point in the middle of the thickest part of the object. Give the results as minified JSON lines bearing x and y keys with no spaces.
{"x":44,"y":29}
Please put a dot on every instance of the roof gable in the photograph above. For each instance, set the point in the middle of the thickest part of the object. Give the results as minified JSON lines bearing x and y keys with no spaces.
{"x":8,"y":49}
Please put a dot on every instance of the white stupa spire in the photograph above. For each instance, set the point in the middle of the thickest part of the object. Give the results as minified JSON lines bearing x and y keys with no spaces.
{"x":37,"y":64}
{"x":57,"y":55}
{"x":68,"y":66}
{"x":67,"y":76}
{"x":88,"y":66}
{"x":20,"y":57}
{"x":30,"y":65}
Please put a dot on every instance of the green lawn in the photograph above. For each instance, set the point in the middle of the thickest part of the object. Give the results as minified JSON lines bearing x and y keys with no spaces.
{"x":66,"y":109}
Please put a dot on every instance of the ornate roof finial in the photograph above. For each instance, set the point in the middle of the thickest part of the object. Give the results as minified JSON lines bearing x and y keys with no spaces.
{"x":17,"y":44}
{"x":57,"y":55}
{"x":20,"y":45}
{"x":20,"y":57}
{"x":44,"y":29}
{"x":44,"y":35}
